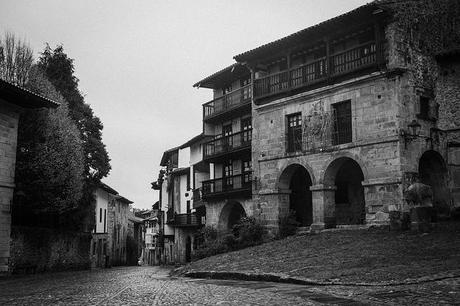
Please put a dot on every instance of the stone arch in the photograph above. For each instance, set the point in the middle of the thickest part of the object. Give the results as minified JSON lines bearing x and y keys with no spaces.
{"x":345,"y":176}
{"x":295,"y":180}
{"x":336,"y":159}
{"x":432,"y":171}
{"x":285,"y":175}
{"x":232,"y":212}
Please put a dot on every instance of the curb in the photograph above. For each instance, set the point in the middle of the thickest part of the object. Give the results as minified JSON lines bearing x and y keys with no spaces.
{"x":282,"y":278}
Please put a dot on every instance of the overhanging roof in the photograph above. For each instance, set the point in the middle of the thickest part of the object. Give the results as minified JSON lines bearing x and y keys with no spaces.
{"x":23,"y":97}
{"x":194,"y":140}
{"x":107,"y":188}
{"x":310,"y":33}
{"x":124,"y":200}
{"x":166,"y":154}
{"x":224,"y":76}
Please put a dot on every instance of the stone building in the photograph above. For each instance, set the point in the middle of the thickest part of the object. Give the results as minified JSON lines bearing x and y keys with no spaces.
{"x":118,"y":229}
{"x":344,"y":120}
{"x":227,"y":121}
{"x":109,"y":236}
{"x":13,"y":100}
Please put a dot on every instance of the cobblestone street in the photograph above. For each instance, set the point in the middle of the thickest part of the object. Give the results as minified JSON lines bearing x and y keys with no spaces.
{"x":152,"y":286}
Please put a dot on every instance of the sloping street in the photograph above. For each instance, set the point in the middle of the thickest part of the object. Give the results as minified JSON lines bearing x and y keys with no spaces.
{"x":152,"y":286}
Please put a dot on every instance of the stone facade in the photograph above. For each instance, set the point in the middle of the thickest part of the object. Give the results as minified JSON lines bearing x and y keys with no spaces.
{"x":375,"y":147}
{"x":118,"y":230}
{"x":403,"y":127}
{"x":9,"y":116}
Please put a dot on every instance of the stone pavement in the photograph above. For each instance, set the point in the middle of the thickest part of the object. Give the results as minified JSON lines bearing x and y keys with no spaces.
{"x":152,"y":286}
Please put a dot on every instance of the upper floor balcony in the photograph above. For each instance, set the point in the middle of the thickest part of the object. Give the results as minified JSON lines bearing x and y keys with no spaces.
{"x":221,"y":187}
{"x":359,"y":57}
{"x":185,"y":220}
{"x":237,"y":101}
{"x":223,"y":145}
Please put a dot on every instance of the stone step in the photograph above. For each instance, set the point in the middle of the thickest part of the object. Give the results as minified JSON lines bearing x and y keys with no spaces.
{"x":303,"y":230}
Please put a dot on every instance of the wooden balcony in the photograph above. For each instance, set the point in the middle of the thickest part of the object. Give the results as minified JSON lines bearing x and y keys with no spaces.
{"x":223,"y":145}
{"x":232,"y":185}
{"x":185,"y":220}
{"x":230,"y":102}
{"x":360,"y":57}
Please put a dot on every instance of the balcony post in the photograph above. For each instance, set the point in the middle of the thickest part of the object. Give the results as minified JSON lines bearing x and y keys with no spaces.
{"x":328,"y":57}
{"x":378,"y":44}
{"x":288,"y":61}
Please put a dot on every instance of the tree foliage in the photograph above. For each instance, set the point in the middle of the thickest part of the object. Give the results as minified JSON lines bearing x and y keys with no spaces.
{"x":49,"y":168}
{"x":59,"y":69}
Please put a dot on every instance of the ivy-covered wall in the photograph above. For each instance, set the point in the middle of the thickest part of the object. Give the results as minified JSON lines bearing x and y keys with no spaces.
{"x":41,"y":249}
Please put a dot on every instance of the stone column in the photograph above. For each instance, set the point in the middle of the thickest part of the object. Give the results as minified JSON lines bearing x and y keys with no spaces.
{"x":323,"y":200}
{"x":273,"y":205}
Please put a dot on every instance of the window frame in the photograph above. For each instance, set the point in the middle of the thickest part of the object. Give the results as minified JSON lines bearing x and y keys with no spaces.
{"x":294,"y":133}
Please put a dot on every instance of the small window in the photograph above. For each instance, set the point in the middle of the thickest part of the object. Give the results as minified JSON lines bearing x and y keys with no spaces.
{"x":100,"y":215}
{"x":424,"y":112}
{"x":342,"y":132}
{"x":246,"y":128}
{"x":294,"y":132}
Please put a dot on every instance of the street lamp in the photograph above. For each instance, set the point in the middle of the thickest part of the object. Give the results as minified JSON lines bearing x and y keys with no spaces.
{"x":414,"y":132}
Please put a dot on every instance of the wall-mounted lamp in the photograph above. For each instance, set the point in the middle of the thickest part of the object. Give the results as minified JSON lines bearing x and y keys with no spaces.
{"x":412,"y":133}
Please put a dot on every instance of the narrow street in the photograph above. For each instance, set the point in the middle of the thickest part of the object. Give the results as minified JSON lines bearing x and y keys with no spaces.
{"x":152,"y":286}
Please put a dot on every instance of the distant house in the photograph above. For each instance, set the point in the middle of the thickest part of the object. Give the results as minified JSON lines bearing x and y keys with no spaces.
{"x":100,"y":238}
{"x":180,"y":197}
{"x":13,"y":100}
{"x":118,"y":229}
{"x":136,"y":239}
{"x":108,"y":244}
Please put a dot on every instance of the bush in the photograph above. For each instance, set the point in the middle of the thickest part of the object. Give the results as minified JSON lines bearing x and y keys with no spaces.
{"x":247,"y":232}
{"x":288,"y":225}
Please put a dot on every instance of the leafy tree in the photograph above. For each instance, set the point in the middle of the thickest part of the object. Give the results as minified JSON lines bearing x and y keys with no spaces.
{"x":50,"y":163}
{"x":59,"y":69}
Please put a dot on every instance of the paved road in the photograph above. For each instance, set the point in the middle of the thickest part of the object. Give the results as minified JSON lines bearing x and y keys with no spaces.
{"x":152,"y":286}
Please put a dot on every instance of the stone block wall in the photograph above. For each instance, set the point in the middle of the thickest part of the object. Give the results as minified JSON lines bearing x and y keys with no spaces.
{"x":9,"y":117}
{"x":375,"y":146}
{"x":39,"y":249}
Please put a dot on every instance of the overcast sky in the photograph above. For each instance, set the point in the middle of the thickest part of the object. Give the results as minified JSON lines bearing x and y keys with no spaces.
{"x":137,"y":62}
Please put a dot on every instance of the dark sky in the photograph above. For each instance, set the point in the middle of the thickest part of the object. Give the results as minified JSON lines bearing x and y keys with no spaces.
{"x":137,"y":62}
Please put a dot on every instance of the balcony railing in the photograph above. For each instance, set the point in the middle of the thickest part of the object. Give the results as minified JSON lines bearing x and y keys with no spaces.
{"x":358,"y":57}
{"x":186,"y":220}
{"x":227,"y":144}
{"x":227,"y":102}
{"x":240,"y":182}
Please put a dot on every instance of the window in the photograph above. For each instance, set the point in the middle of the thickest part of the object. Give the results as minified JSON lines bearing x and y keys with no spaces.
{"x":246,"y":128}
{"x":424,"y":112}
{"x":342,"y":132}
{"x":294,"y":132}
{"x":100,"y":215}
{"x":246,"y":91}
{"x":247,"y":174}
{"x":105,"y":220}
{"x":228,"y":174}
{"x":227,"y":134}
